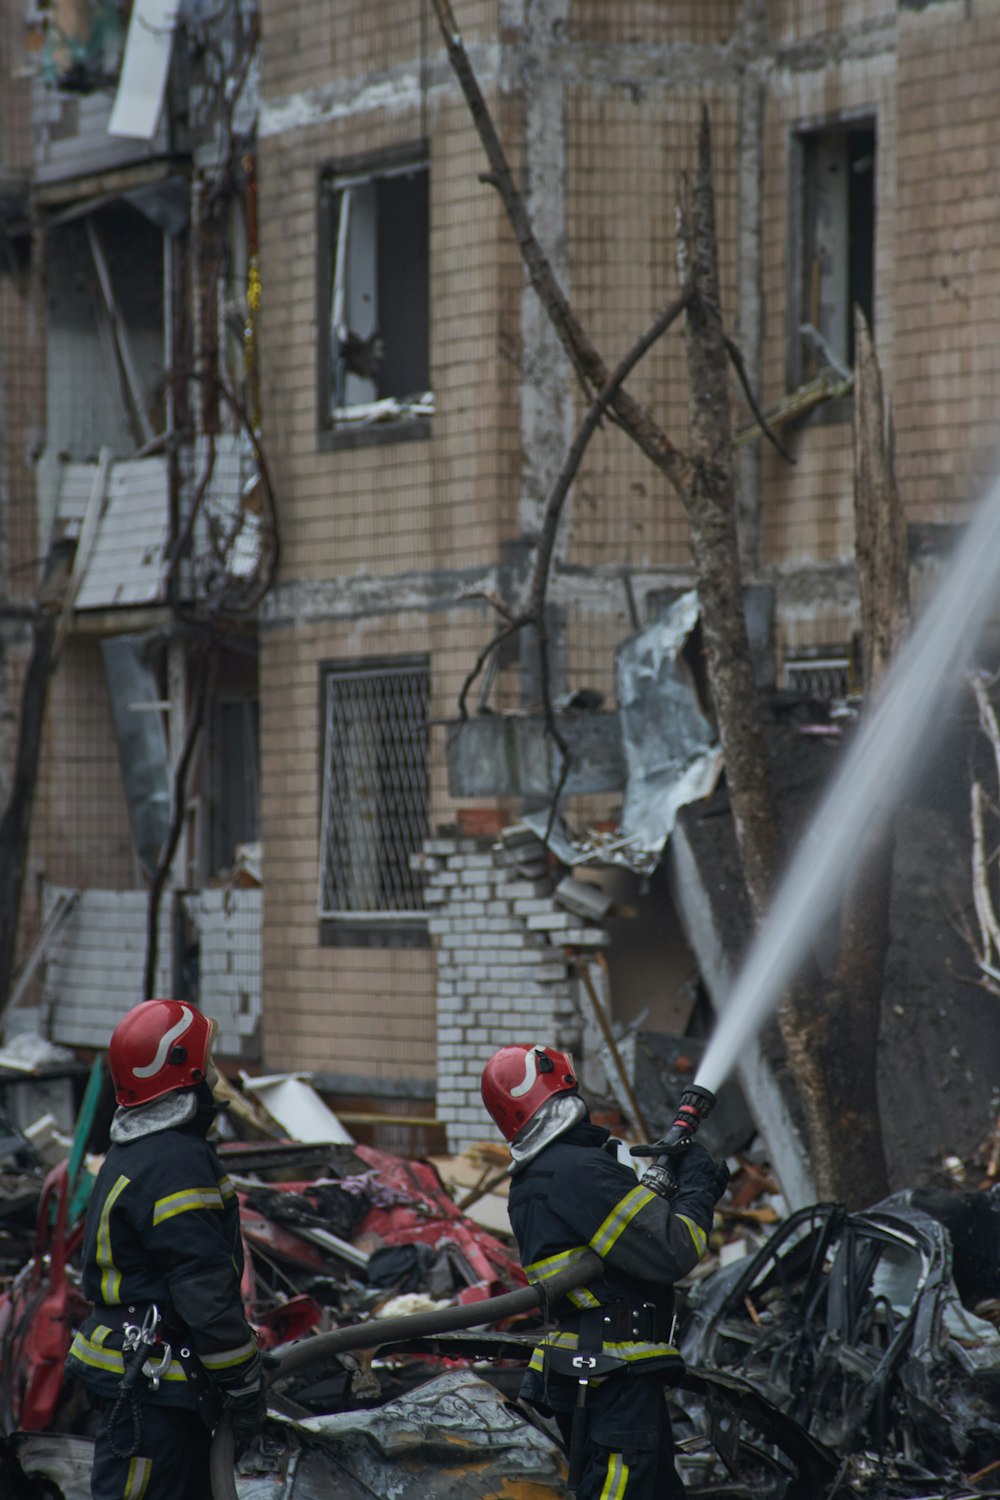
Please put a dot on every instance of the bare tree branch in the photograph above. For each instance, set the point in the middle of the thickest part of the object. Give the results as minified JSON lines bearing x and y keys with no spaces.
{"x":585,"y":358}
{"x":736,"y":355}
{"x":534,"y":614}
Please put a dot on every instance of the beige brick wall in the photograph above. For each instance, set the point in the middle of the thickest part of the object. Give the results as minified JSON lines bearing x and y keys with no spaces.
{"x":626,"y":158}
{"x":797,"y":20}
{"x":947,"y":313}
{"x":393,"y":507}
{"x":81,"y":787}
{"x":652,"y":21}
{"x":453,"y":501}
{"x":337,"y":1008}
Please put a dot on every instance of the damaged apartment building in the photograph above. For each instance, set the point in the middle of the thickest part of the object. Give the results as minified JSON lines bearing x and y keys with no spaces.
{"x":135,"y":504}
{"x":274,"y":294}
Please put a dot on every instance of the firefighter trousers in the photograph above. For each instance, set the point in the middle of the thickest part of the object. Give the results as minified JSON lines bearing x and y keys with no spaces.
{"x":170,"y":1463}
{"x":628,"y":1446}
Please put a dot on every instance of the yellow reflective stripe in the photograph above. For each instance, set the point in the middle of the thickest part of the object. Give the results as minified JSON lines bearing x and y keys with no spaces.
{"x":111,"y":1279}
{"x":89,"y":1351}
{"x":541,"y":1270}
{"x":616,"y":1479}
{"x":581,"y":1297}
{"x":226,"y":1188}
{"x":180,"y":1203}
{"x":98,"y":1359}
{"x":139,"y":1472}
{"x":229,"y":1357}
{"x":697,"y":1233}
{"x":620,"y":1217}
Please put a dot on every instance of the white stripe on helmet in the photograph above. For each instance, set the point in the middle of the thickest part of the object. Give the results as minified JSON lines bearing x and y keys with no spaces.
{"x":530,"y":1072}
{"x":166,"y":1042}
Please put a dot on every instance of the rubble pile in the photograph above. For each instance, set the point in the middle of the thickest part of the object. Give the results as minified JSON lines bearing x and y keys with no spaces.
{"x":829,"y":1354}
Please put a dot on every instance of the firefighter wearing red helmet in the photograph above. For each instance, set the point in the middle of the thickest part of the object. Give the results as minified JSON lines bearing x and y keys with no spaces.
{"x":167,"y":1345}
{"x":570,"y":1193}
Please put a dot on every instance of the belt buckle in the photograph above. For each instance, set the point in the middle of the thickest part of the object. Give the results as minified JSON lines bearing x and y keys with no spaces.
{"x":583,"y":1362}
{"x":155,"y":1372}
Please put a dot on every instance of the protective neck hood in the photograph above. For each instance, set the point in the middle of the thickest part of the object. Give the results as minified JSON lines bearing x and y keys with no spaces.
{"x":553,"y":1119}
{"x":166,"y":1113}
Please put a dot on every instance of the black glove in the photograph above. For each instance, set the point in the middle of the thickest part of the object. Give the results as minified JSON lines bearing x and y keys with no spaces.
{"x":696,"y":1171}
{"x":246,"y":1403}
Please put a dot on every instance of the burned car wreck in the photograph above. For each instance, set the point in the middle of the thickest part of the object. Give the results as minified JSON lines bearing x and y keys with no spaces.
{"x":873,"y":1332}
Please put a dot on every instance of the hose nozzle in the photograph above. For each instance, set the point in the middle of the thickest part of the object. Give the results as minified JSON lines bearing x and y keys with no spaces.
{"x":696,"y":1102}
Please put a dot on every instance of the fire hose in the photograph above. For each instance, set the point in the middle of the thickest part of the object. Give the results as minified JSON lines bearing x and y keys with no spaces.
{"x":379,"y":1331}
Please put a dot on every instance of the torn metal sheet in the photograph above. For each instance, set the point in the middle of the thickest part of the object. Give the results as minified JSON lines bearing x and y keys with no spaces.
{"x":452,"y":1431}
{"x":672,"y":756}
{"x":142,"y":744}
{"x":128,"y":562}
{"x":671,"y":750}
{"x":142,"y":84}
{"x":512,"y":755}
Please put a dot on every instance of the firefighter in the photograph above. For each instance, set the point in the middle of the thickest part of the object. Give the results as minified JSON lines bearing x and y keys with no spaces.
{"x":569,"y":1192}
{"x":167,"y":1345}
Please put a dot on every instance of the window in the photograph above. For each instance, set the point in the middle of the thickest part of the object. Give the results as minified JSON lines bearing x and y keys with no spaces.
{"x":235,"y":779}
{"x":820,"y":674}
{"x":374,"y":373}
{"x":832,"y":244}
{"x":375,"y":796}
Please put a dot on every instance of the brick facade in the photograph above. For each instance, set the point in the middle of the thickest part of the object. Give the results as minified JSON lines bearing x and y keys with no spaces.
{"x":387,"y":548}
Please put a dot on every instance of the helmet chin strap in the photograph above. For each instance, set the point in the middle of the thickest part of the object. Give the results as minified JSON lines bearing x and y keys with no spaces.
{"x":551,"y":1120}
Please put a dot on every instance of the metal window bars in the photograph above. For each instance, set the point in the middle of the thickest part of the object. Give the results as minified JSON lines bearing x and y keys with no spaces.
{"x":822,"y":677}
{"x":375,"y":788}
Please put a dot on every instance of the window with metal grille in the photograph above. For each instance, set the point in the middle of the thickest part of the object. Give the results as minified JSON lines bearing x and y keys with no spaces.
{"x":822,"y":677}
{"x":375,"y":788}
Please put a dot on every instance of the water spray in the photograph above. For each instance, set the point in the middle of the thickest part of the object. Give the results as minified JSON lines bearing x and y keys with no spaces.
{"x":872,"y":780}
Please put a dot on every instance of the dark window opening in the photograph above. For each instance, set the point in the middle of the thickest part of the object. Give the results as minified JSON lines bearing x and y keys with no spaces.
{"x":236,"y":779}
{"x":836,"y":239}
{"x":374,"y":296}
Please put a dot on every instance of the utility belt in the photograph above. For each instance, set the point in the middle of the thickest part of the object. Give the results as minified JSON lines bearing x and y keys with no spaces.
{"x":611,"y":1323}
{"x":122,"y":1315}
{"x":158,"y":1351}
{"x":619,"y":1322}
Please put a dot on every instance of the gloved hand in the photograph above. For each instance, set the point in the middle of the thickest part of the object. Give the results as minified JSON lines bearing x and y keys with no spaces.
{"x":247,"y":1403}
{"x":696,"y":1170}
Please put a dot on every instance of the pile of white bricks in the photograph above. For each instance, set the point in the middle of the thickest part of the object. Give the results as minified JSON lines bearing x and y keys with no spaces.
{"x":504,"y":974}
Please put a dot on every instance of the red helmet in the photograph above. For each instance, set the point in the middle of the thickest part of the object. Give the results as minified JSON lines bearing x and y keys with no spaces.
{"x":159,"y":1046}
{"x":518,"y":1080}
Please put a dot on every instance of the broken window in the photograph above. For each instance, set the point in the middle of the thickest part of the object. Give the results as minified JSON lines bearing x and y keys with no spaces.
{"x":375,"y":792}
{"x":833,"y":232}
{"x":375,"y":315}
{"x":235,"y":777}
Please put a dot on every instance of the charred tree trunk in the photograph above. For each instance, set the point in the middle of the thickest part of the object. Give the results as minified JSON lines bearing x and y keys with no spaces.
{"x":703,"y":479}
{"x":840,"y":1037}
{"x":15,"y":826}
{"x":845,"y":1032}
{"x":711,"y":505}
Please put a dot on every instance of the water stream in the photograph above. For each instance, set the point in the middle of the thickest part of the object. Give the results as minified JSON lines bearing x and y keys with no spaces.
{"x":876,"y":771}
